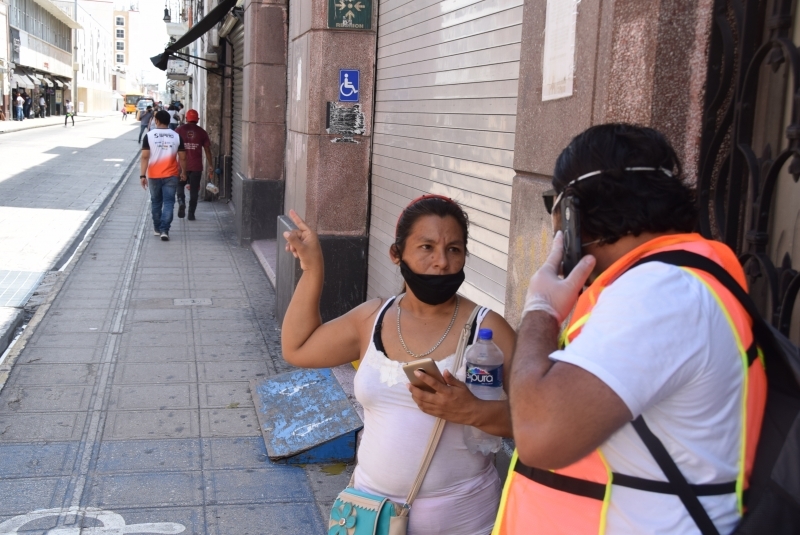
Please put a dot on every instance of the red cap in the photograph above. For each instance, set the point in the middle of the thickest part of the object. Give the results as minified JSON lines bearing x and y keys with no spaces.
{"x":192,"y":116}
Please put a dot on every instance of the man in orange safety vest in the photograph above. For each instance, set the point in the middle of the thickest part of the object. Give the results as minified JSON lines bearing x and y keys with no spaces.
{"x":657,"y":361}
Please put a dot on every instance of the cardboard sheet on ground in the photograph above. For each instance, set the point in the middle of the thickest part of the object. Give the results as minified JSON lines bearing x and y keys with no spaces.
{"x":305,"y":417}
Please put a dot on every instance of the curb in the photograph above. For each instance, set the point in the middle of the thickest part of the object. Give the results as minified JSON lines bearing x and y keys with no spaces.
{"x":69,"y":252}
{"x":13,"y":352}
{"x":7,"y":336}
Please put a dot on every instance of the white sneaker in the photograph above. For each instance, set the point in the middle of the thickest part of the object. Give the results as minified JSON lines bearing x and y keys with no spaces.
{"x":156,"y":232}
{"x":164,"y":236}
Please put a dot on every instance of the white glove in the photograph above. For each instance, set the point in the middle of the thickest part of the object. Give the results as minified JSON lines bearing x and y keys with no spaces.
{"x":548,"y":292}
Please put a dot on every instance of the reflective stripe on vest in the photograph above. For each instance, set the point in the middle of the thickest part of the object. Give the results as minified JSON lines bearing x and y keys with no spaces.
{"x":575,"y":500}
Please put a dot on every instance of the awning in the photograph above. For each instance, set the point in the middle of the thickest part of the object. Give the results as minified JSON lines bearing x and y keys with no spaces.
{"x":47,"y":81}
{"x":57,"y":82}
{"x":202,"y":26}
{"x":51,"y":8}
{"x":21,"y":80}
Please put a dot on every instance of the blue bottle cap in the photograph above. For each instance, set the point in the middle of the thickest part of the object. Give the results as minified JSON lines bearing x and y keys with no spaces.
{"x":485,"y":334}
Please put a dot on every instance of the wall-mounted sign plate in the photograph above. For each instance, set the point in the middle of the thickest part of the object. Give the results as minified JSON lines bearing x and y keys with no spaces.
{"x":350,"y":14}
{"x":349,"y":84}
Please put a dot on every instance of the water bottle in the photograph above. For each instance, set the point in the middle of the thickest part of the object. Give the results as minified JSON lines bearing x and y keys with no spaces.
{"x":485,"y":381}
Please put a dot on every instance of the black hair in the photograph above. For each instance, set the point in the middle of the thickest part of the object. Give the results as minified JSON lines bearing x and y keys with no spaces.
{"x":162,"y":117}
{"x":437,"y":206}
{"x":619,"y":202}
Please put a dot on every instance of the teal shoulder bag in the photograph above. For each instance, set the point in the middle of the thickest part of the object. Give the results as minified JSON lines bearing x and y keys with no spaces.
{"x":359,"y":513}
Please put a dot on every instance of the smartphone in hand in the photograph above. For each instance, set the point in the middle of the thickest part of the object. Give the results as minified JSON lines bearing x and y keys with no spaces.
{"x":427,"y":366}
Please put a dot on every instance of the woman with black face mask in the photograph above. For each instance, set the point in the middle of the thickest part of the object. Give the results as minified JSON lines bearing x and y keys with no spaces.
{"x":461,"y":490}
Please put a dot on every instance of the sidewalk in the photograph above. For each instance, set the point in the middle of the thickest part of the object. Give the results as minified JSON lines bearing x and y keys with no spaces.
{"x":27,"y":124}
{"x":126,"y":397}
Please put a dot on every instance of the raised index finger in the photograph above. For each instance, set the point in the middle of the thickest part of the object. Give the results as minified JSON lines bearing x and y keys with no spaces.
{"x":298,"y":220}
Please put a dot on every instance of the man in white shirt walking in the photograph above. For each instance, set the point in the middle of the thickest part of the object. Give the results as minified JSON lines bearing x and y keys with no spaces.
{"x":163,"y":160}
{"x":70,"y":113}
{"x":42,"y":106}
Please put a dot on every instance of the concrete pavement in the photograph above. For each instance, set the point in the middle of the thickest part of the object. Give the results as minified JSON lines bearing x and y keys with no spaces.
{"x":52,"y":182}
{"x":128,"y":403}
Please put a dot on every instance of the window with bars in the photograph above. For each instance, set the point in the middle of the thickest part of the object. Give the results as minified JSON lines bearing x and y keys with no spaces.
{"x":120,"y":34}
{"x":120,"y":58}
{"x":30,"y":17}
{"x":120,"y":45}
{"x":120,"y":21}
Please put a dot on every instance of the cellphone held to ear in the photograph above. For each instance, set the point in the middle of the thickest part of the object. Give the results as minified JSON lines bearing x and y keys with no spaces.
{"x":427,"y":366}
{"x":571,"y":225}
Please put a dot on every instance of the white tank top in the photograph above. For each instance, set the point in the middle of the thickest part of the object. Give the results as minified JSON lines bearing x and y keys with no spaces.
{"x":461,"y":491}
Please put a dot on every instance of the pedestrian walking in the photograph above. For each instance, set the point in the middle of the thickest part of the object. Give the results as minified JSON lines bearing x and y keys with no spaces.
{"x":145,"y":121}
{"x":124,"y":114}
{"x":20,"y":106}
{"x":163,"y":161}
{"x":42,"y":106}
{"x":653,"y":369}
{"x":461,"y":490}
{"x":70,"y":113}
{"x":173,"y":121}
{"x":196,"y":141}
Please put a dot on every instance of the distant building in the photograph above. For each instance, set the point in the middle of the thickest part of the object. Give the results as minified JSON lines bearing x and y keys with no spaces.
{"x":123,"y":79}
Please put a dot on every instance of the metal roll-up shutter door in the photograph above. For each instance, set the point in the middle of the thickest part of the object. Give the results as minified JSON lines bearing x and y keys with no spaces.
{"x":445,"y":117}
{"x":237,"y":40}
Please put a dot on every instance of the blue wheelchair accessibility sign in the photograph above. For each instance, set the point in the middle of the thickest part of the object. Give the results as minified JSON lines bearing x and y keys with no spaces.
{"x":348,"y":85}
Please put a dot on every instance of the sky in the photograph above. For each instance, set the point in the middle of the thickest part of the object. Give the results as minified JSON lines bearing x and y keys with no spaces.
{"x":148,"y":38}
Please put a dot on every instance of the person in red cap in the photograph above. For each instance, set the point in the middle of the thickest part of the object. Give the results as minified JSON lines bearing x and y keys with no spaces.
{"x":196,"y":141}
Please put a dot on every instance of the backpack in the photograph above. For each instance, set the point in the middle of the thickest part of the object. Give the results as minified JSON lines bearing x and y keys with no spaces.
{"x":772,"y":501}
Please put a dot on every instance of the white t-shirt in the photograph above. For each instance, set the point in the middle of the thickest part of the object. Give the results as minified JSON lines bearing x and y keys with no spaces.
{"x":661,"y":342}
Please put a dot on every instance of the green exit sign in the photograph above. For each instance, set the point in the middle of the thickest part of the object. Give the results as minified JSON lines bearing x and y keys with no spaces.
{"x":350,"y":14}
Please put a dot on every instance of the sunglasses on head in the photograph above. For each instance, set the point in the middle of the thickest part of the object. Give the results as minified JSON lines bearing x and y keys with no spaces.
{"x":551,"y":199}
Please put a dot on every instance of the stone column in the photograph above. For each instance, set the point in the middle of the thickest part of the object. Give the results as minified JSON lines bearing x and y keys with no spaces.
{"x":261,"y":182}
{"x":327,"y":179}
{"x":638,"y":62}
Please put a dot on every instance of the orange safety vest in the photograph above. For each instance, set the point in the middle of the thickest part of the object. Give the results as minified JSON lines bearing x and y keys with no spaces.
{"x":575,"y":500}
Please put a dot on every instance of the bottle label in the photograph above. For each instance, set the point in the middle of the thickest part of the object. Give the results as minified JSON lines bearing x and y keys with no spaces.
{"x":482,"y":377}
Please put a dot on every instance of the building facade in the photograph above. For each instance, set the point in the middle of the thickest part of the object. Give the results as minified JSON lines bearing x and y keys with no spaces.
{"x":475,"y":100}
{"x":5,"y":68}
{"x":40,"y":36}
{"x":95,"y":44}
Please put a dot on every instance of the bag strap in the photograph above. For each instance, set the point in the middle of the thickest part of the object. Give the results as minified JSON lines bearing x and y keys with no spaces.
{"x":438,"y":427}
{"x":675,"y":477}
{"x":656,"y":448}
{"x":763,"y":334}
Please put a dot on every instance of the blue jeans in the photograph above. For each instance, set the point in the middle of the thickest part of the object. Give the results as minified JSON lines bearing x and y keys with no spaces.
{"x":142,"y":128}
{"x":19,"y":113}
{"x":162,"y":201}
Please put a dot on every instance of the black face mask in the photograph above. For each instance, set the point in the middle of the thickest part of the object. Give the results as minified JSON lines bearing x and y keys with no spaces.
{"x":432,"y":289}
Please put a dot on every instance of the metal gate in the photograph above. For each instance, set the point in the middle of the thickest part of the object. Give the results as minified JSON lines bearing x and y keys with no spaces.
{"x":237,"y":40}
{"x":750,"y":153}
{"x":445,"y":117}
